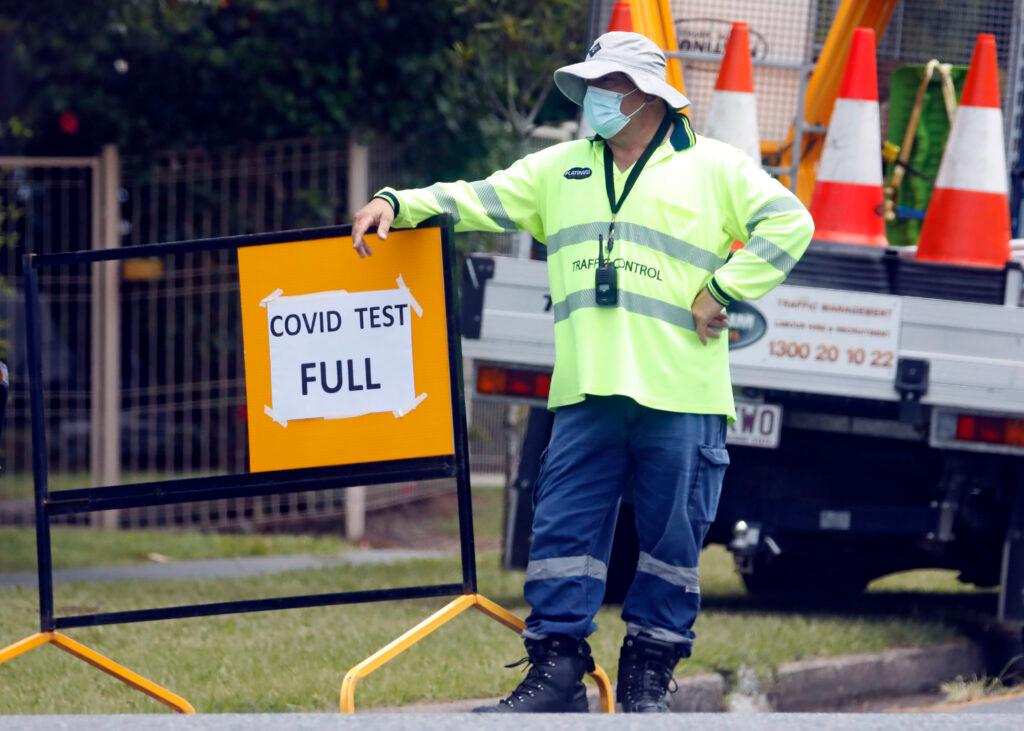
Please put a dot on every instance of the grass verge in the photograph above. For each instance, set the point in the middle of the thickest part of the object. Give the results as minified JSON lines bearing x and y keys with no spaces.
{"x":965,"y":690}
{"x":295,"y":660}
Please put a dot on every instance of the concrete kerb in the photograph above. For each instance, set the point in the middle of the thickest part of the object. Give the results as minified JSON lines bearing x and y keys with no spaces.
{"x":808,"y":685}
{"x":703,"y":693}
{"x":829,"y":683}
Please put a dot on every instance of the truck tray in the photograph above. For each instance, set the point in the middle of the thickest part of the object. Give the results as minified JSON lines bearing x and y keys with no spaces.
{"x":965,"y":322}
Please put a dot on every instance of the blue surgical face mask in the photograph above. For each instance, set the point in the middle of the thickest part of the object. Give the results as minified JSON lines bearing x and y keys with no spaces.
{"x":602,"y":110}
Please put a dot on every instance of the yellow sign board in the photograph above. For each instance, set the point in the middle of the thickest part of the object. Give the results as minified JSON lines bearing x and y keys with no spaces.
{"x":346,"y":359}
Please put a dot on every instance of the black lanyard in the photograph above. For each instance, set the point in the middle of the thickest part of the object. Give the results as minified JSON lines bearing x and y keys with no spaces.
{"x":634,"y":174}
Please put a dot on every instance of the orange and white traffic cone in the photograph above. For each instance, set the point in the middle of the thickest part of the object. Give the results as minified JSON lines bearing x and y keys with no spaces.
{"x":847,"y":201}
{"x":732,"y":115}
{"x":622,"y":17}
{"x":968,"y":218}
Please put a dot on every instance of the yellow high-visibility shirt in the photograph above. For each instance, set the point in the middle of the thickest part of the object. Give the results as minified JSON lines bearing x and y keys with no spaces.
{"x":673,"y":237}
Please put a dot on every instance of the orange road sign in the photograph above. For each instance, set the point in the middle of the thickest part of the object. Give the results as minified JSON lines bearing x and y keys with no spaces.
{"x":346,"y":359}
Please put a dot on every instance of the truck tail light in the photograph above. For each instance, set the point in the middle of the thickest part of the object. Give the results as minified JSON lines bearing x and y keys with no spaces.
{"x":512,"y":382}
{"x":990,"y":430}
{"x":952,"y":429}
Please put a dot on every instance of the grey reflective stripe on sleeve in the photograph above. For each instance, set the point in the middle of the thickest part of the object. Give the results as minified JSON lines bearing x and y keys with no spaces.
{"x":633,"y":629}
{"x":631,"y":302}
{"x":683,"y":576}
{"x":566,"y":567}
{"x":779,"y":205}
{"x":637,"y":234}
{"x":446,"y":202}
{"x":762,"y":248}
{"x":492,"y":204}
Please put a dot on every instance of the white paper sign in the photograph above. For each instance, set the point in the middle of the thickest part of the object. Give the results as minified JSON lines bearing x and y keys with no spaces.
{"x":336,"y":355}
{"x":823,"y":331}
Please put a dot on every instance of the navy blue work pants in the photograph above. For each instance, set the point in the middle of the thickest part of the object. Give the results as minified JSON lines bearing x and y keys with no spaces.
{"x":676,"y":463}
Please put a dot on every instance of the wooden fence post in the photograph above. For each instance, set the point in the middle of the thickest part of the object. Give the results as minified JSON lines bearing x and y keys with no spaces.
{"x":105,"y":406}
{"x":358,"y":195}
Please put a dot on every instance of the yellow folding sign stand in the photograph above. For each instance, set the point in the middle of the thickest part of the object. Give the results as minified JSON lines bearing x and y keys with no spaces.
{"x":76,"y":649}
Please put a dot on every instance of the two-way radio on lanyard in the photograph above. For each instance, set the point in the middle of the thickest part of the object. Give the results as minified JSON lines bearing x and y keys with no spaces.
{"x":606,"y":287}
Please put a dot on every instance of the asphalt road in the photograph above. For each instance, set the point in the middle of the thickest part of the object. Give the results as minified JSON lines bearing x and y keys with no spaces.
{"x":451,"y":722}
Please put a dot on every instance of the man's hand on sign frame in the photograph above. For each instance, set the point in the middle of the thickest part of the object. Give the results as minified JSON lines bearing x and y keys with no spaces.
{"x":709,"y":317}
{"x":378,"y":212}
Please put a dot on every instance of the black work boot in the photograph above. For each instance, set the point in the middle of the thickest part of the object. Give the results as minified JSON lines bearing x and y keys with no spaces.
{"x":645,"y":673}
{"x":554,"y":682}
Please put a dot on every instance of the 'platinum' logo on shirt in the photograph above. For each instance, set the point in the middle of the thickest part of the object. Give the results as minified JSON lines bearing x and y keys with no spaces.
{"x":578,"y":173}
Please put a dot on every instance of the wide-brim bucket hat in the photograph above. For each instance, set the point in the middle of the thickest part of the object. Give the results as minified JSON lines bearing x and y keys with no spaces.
{"x":632,"y":54}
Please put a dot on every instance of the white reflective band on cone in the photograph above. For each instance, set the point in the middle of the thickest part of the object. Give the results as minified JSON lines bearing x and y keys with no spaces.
{"x":853,"y":145}
{"x":974,"y":158}
{"x":732,"y":118}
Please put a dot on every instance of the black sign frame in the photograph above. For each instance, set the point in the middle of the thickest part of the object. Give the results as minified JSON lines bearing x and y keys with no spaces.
{"x":92,"y":499}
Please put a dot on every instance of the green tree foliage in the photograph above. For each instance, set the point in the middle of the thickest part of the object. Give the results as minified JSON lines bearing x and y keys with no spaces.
{"x":508,"y":59}
{"x":158,"y":74}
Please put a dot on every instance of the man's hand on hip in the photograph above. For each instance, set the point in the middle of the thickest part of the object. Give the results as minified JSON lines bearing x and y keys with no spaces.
{"x":378,"y":212}
{"x":709,"y":316}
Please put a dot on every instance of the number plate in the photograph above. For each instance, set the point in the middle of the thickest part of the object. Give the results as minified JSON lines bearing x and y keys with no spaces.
{"x":757,"y":425}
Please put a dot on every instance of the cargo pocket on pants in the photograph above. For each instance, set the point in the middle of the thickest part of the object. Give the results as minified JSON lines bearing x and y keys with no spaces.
{"x":707,"y":488}
{"x":538,"y":483}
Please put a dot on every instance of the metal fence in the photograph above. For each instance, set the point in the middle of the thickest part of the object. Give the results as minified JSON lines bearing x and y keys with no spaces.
{"x":269,"y":186}
{"x":177,"y":353}
{"x":183,"y":404}
{"x":45,"y":206}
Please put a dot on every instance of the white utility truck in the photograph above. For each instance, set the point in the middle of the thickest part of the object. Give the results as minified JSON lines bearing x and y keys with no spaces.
{"x":880,"y":423}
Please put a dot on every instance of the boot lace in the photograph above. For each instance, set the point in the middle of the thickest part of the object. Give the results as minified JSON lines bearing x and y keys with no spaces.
{"x":532,"y":683}
{"x":651,"y":684}
{"x":657,"y":682}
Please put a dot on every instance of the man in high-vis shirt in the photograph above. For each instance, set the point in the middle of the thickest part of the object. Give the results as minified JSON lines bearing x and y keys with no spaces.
{"x":638,"y":222}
